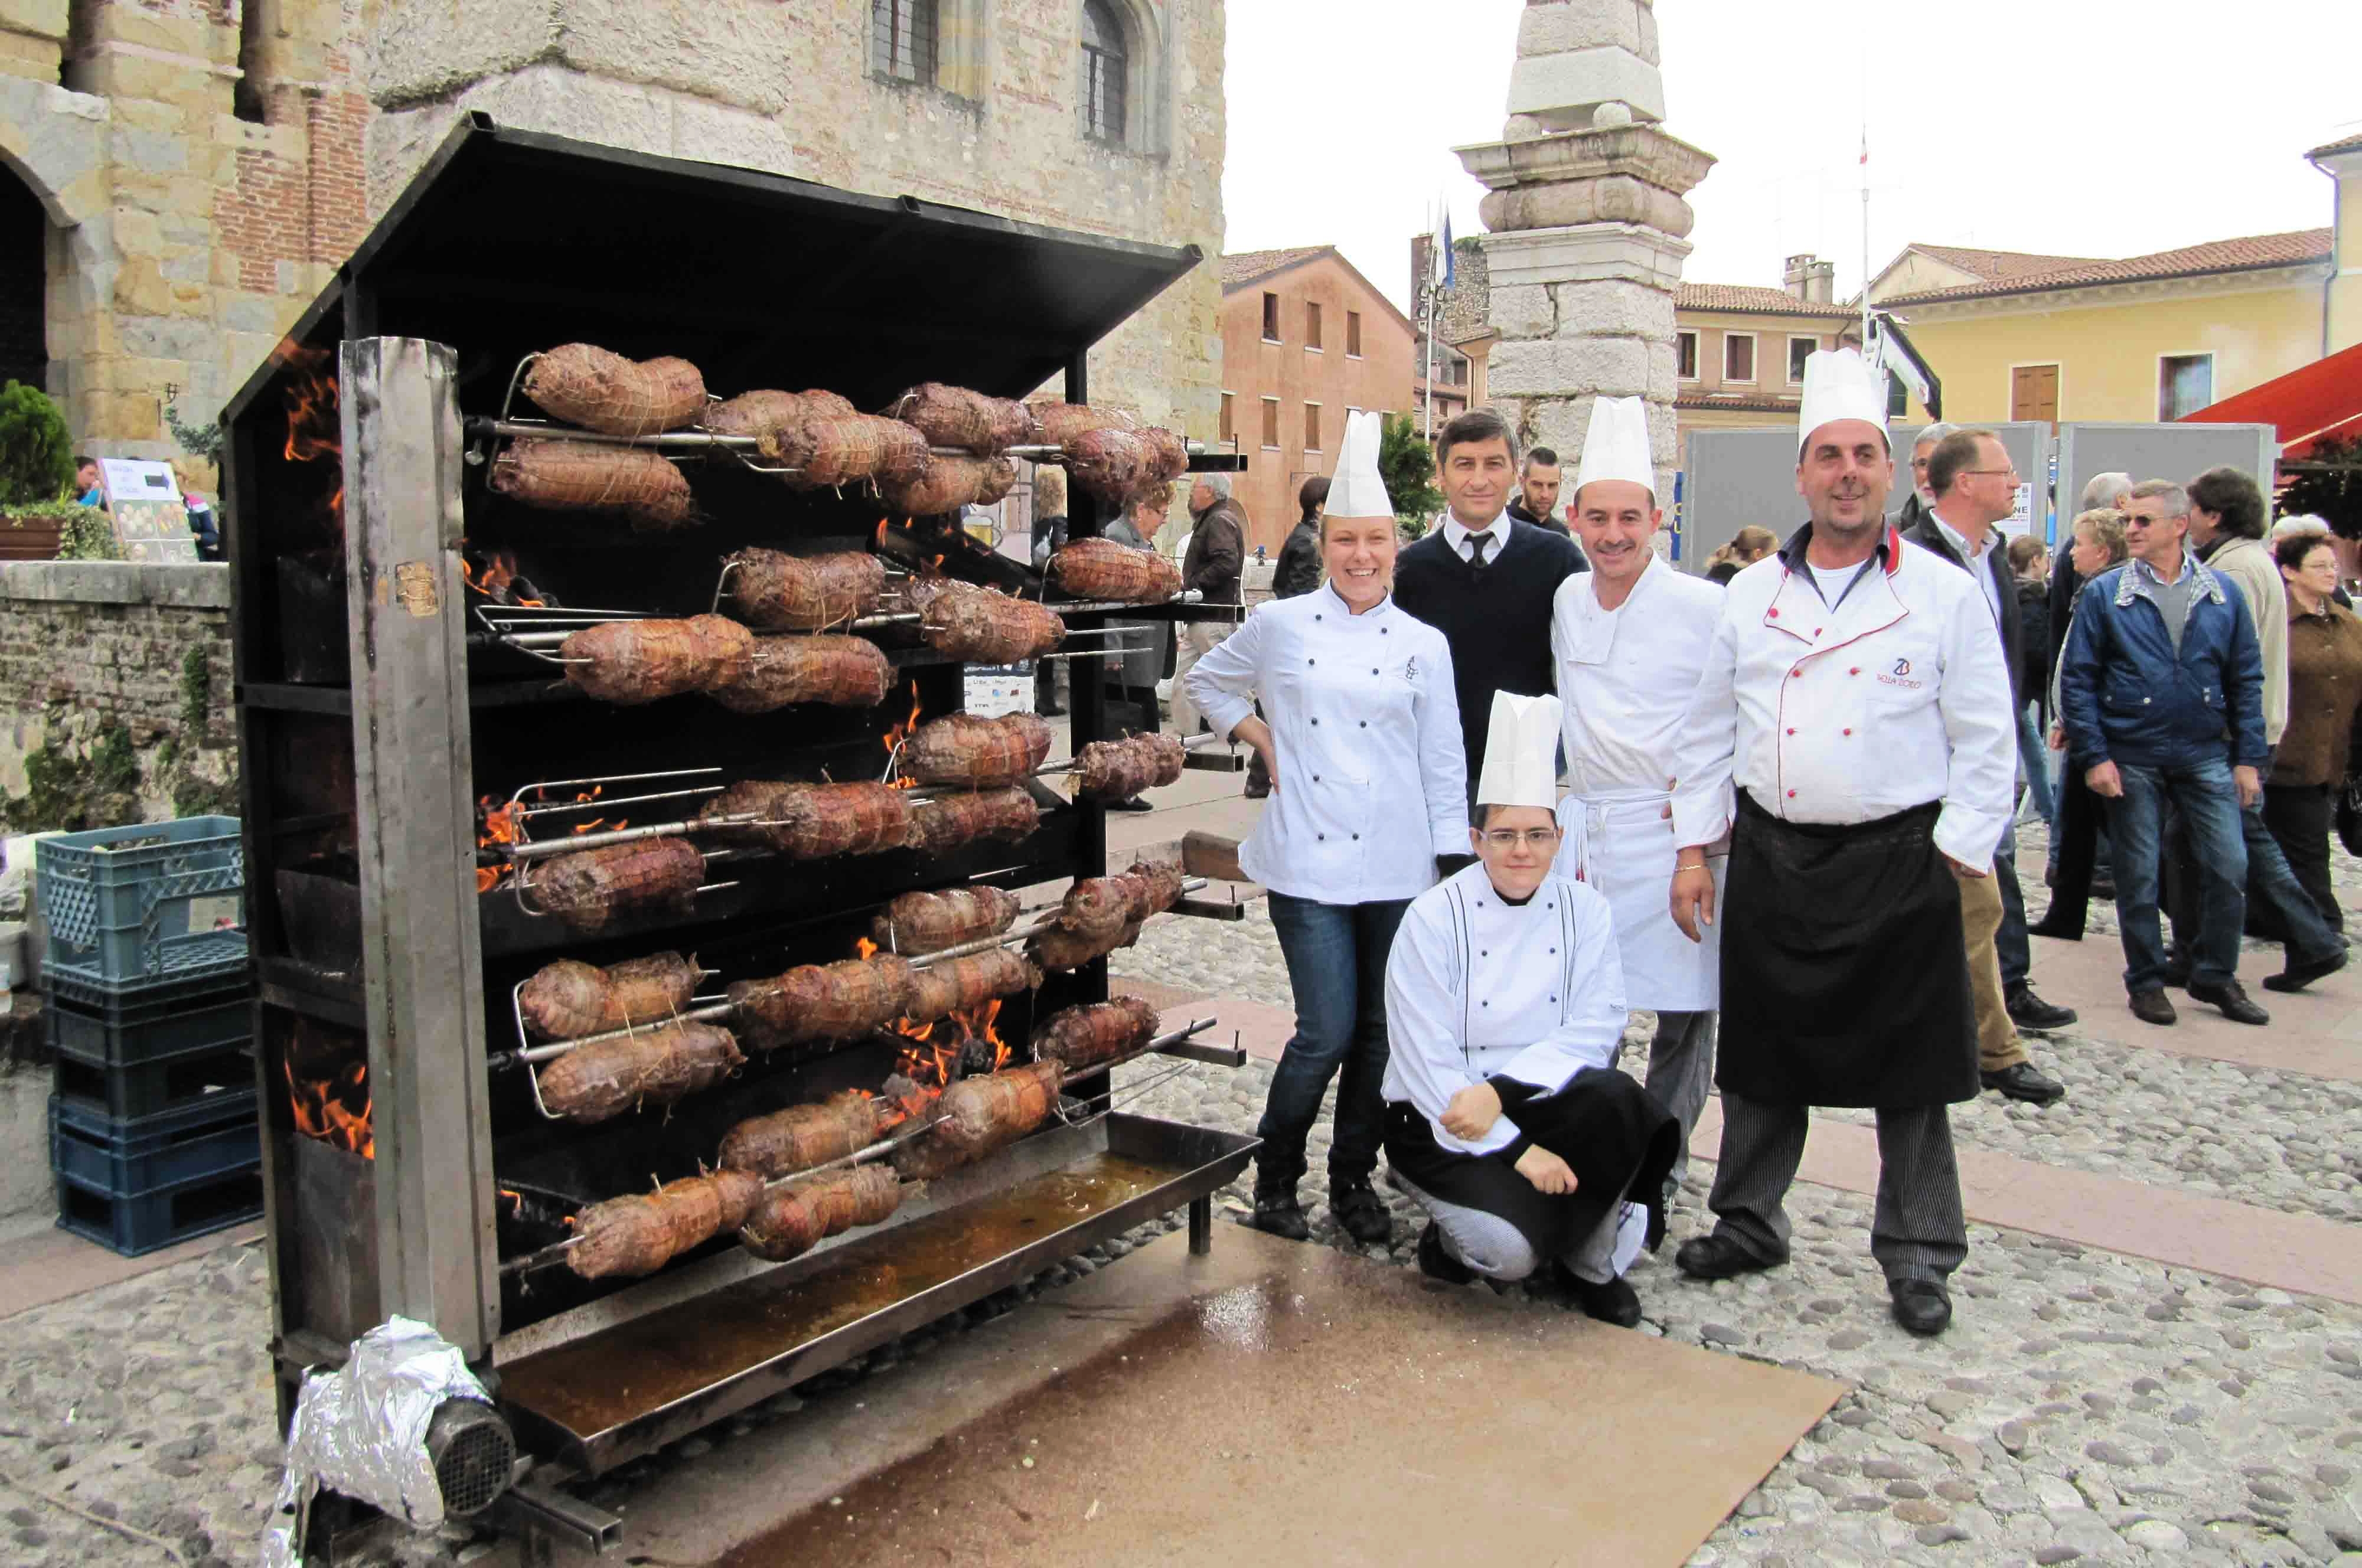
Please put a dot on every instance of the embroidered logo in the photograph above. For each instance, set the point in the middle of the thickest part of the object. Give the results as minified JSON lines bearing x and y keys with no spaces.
{"x":1902,"y":667}
{"x":1410,"y":669}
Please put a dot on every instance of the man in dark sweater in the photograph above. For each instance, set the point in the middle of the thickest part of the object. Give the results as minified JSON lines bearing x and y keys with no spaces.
{"x":1485,"y":579}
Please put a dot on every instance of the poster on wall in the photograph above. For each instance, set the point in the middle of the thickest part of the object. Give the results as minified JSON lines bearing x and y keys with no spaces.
{"x":2022,"y":518}
{"x":143,"y":499}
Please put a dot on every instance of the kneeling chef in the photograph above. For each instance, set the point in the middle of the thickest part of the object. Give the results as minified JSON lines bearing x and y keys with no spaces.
{"x":1506,"y":1118}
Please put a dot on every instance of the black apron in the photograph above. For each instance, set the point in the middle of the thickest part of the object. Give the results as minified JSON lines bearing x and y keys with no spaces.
{"x":1611,"y":1132}
{"x":1845,"y":974}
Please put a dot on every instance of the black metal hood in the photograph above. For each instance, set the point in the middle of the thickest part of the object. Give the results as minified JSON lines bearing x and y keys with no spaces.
{"x":520,"y":240}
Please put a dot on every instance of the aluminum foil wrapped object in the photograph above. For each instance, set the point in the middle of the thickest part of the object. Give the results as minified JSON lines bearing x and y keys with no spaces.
{"x":361,"y":1431}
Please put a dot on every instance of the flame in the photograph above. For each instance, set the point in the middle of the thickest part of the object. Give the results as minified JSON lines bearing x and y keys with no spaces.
{"x":324,"y":1110}
{"x":492,"y":582}
{"x":314,"y":429}
{"x":515,"y":1198}
{"x":932,"y":1062}
{"x":500,"y":828}
{"x":897,"y":733}
{"x":865,"y":948}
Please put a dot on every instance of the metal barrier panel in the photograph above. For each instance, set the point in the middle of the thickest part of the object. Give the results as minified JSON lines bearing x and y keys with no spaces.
{"x":2178,"y":452}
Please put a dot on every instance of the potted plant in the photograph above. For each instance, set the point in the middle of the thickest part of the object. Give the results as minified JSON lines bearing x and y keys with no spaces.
{"x":36,"y":470}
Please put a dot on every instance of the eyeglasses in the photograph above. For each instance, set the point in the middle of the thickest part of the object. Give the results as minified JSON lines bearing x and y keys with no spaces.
{"x":1531,"y":838}
{"x":2011,"y":472}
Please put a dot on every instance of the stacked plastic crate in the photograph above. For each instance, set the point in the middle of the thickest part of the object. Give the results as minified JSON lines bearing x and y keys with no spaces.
{"x":152,"y":1126}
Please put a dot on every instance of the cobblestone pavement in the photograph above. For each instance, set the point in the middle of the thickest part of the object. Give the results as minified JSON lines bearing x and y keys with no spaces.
{"x":2083,"y":1406}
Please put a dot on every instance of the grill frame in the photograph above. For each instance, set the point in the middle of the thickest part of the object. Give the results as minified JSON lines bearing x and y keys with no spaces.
{"x":369,"y":723}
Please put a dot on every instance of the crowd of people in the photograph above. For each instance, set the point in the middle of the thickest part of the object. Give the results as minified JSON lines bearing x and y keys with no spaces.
{"x":1521,"y":781}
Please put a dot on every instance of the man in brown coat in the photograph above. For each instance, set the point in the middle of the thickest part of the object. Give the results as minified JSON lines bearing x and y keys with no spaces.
{"x":1218,"y":549}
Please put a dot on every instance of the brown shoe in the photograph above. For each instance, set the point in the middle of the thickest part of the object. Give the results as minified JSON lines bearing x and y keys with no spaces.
{"x":2150,"y":1006}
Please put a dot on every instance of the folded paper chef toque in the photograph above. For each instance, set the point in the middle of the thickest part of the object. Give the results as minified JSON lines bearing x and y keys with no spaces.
{"x":1616,"y":446}
{"x":1840,"y":384}
{"x":1356,"y":490}
{"x":1521,"y":753}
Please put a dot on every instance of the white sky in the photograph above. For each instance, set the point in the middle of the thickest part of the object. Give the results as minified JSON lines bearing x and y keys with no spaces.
{"x":2081,"y":127}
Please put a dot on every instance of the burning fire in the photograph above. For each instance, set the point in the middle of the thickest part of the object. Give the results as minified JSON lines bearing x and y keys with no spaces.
{"x":313,"y":428}
{"x":899,"y":732}
{"x":325,"y":1110}
{"x":933,"y":1061}
{"x":500,"y":570}
{"x":500,"y":827}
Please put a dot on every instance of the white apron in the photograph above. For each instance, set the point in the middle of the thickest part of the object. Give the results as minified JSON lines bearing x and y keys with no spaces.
{"x":1627,"y":677}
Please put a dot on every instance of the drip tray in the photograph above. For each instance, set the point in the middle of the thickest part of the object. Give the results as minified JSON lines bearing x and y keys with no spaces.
{"x":628,"y":1388}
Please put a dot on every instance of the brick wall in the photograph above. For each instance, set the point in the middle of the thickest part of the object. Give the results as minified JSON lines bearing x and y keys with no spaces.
{"x":88,"y":645}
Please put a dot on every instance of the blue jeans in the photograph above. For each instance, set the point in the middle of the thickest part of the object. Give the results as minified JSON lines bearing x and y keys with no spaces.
{"x":1337,"y":967}
{"x":2208,"y":800}
{"x":2035,"y":758}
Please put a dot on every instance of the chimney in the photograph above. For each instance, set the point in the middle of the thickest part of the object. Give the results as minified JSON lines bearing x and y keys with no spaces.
{"x":1811,"y":280}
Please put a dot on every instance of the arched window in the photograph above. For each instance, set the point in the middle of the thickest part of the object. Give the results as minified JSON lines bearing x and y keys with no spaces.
{"x":1106,"y":67}
{"x":902,"y":37}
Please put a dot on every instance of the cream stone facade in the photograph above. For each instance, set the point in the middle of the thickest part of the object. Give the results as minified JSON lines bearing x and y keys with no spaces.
{"x":196,"y":169}
{"x":193,"y":172}
{"x":801,"y":89}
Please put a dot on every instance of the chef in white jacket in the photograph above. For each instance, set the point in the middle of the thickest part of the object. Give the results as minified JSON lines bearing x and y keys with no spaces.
{"x":1507,"y":1118}
{"x":1630,"y":638}
{"x":1855,"y":694}
{"x":1361,"y":733}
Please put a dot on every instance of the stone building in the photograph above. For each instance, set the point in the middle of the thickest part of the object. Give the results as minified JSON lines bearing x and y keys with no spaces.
{"x":184,"y":175}
{"x":181,"y":177}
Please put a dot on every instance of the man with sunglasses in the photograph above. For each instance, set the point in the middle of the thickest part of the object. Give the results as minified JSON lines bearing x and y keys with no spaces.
{"x":2161,"y":689}
{"x":1975,"y":486}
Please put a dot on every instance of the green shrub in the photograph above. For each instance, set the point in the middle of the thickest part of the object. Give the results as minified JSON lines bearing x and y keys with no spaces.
{"x":36,"y":451}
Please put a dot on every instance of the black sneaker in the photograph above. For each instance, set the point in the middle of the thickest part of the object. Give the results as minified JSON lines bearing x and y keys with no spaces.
{"x":1363,"y":1213}
{"x":1437,"y":1263}
{"x":2030,"y":1011}
{"x":1277,"y":1211}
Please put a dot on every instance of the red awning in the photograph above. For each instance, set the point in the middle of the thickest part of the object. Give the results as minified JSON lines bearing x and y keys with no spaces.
{"x":2324,"y":397}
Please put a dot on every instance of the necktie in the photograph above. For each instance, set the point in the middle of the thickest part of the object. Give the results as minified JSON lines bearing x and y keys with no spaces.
{"x":1477,"y":545}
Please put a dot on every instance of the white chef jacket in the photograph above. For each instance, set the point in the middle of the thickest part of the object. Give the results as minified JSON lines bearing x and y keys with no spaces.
{"x":1895,"y":697}
{"x":1373,"y":783}
{"x":1627,"y":677}
{"x":1477,"y":986}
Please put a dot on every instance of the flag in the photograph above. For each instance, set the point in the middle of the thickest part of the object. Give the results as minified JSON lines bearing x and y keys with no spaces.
{"x":1451,"y":267}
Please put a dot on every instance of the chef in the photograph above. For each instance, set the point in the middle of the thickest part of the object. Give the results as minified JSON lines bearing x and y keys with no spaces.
{"x":1507,"y":1120}
{"x":1359,"y":730}
{"x":1856,"y":695}
{"x":1630,"y":636}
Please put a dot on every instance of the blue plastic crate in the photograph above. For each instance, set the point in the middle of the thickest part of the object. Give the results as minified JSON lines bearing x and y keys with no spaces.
{"x":131,"y":1159}
{"x":135,"y":1225}
{"x":144,"y":905}
{"x":117,"y":1002}
{"x":126,"y":1036}
{"x":152,"y":1089}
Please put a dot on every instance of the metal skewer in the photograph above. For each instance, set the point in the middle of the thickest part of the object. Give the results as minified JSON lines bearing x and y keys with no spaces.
{"x":555,"y":1253}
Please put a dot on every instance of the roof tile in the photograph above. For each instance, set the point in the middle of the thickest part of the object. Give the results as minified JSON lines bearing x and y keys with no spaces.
{"x":2253,"y":251}
{"x":1762,"y":302}
{"x":1246,"y":266}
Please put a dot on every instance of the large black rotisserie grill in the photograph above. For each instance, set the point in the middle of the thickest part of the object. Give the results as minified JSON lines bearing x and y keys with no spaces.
{"x":383,"y":723}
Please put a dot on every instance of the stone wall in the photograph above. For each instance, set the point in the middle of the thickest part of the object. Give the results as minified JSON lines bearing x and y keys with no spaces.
{"x":199,"y":163}
{"x":790,"y":87}
{"x":104,"y":661}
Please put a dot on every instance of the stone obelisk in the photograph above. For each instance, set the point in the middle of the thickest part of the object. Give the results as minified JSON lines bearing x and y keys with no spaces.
{"x":1587,"y":226}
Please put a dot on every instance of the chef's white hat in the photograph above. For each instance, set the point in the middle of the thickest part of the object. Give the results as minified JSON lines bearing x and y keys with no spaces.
{"x":1521,"y":753}
{"x":1616,"y":447}
{"x":1356,"y":490}
{"x":1840,"y":384}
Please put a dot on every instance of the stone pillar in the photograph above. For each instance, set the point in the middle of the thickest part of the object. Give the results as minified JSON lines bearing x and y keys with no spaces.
{"x":1587,"y":226}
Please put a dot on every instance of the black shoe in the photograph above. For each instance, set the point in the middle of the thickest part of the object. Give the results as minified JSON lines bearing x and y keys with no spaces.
{"x":2030,"y":1011}
{"x":2233,"y":1000}
{"x":1277,"y":1211}
{"x":1615,"y":1303}
{"x":2177,"y":974}
{"x":1363,"y":1212}
{"x":1718,"y":1257}
{"x":2104,"y":887}
{"x":2296,"y":976}
{"x":1437,"y":1263}
{"x":2021,"y":1081}
{"x":1922,"y":1306}
{"x":1258,"y":791}
{"x":2151,"y":1005}
{"x":2056,"y":930}
{"x":1134,"y":804}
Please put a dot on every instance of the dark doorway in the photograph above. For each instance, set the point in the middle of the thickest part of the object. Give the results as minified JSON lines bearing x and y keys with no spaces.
{"x":24,"y":283}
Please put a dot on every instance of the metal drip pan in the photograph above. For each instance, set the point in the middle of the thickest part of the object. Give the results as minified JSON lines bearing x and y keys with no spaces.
{"x":615,"y":1392}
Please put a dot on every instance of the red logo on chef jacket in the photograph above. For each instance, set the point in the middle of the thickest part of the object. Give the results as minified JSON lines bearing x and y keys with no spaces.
{"x":1900,"y":675}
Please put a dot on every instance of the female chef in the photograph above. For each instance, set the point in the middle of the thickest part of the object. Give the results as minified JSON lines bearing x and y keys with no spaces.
{"x":1507,"y":1120}
{"x":1360,"y":735}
